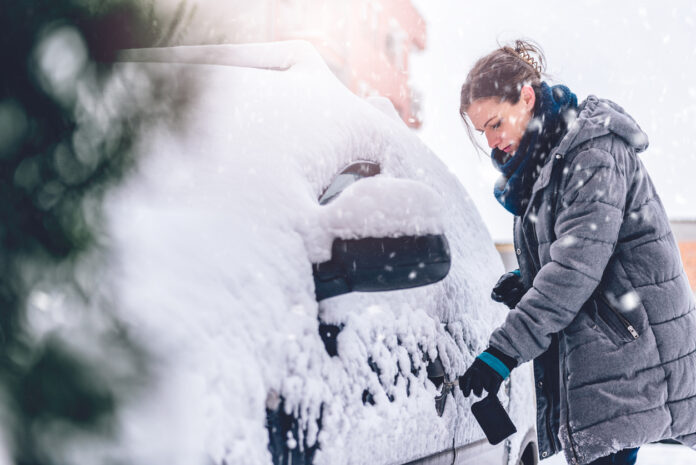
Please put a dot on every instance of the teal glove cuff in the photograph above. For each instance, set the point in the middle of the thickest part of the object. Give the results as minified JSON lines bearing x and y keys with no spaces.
{"x":493,"y":362}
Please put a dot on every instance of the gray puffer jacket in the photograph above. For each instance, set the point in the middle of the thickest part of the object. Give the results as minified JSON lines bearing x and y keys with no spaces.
{"x":608,"y":316}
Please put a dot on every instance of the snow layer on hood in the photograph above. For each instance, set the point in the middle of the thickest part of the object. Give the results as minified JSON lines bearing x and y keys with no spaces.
{"x":213,"y":242}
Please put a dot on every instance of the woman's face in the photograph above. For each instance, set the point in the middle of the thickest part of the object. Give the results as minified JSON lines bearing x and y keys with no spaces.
{"x":503,"y":123}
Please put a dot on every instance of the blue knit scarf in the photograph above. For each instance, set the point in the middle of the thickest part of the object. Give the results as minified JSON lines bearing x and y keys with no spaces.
{"x":519,"y":170}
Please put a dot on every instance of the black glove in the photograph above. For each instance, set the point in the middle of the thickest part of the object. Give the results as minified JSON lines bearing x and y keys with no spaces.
{"x":487,"y":372}
{"x":509,"y":289}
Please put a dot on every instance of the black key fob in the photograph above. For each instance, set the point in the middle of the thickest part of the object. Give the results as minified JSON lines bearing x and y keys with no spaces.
{"x":493,"y":418}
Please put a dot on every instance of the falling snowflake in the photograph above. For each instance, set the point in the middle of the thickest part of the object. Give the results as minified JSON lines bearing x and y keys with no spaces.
{"x":629,"y":301}
{"x":567,"y":241}
{"x":291,"y":442}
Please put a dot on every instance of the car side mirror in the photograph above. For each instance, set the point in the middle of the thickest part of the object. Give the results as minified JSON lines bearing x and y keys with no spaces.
{"x":382,"y":264}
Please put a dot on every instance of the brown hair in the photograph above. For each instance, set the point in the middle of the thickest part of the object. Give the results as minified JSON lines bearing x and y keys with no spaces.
{"x":501,"y":74}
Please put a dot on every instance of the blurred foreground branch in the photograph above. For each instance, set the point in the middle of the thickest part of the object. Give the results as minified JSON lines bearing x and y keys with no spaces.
{"x":68,"y":124}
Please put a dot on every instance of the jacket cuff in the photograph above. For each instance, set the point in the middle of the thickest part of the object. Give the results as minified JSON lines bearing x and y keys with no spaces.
{"x":505,"y":364}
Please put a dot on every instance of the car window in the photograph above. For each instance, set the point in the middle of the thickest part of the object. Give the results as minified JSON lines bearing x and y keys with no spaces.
{"x":350,"y":174}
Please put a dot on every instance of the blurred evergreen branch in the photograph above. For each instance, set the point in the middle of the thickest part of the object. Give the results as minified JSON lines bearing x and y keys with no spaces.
{"x":55,"y":162}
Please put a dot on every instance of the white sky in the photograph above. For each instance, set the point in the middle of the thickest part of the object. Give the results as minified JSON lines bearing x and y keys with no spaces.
{"x":641,"y":54}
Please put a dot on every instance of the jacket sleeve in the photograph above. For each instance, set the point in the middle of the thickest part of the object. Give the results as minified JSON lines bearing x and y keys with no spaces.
{"x":592,"y":201}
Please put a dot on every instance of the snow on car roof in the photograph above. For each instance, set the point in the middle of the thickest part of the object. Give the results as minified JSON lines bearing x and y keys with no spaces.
{"x":276,"y":56}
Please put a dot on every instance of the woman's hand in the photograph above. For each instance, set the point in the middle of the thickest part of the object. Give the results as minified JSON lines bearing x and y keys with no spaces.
{"x":509,"y":289}
{"x":487,"y":372}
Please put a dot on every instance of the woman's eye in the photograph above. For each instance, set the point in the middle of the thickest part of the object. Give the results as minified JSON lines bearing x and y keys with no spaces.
{"x":497,"y":125}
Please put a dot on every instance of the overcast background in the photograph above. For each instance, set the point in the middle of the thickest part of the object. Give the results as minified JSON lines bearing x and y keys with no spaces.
{"x":640,"y":54}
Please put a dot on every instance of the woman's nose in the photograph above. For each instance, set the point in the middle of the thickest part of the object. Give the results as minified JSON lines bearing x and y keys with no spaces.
{"x":492,"y":140}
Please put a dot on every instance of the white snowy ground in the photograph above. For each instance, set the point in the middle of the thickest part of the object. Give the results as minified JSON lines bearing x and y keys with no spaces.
{"x":651,"y":454}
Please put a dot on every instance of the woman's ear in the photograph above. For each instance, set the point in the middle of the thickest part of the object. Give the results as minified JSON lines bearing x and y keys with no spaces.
{"x":528,"y":97}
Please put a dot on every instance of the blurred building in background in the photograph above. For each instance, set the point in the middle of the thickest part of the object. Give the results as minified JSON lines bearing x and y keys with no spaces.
{"x":685,"y":233}
{"x":366,"y":43}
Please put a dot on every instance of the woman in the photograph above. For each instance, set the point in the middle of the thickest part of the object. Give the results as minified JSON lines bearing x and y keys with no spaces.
{"x":600,"y":302}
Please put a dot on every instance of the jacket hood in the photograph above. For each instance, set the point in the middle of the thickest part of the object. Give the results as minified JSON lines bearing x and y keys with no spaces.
{"x":598,"y":117}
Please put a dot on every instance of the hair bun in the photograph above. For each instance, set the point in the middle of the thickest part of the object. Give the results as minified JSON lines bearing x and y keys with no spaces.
{"x":523,"y":49}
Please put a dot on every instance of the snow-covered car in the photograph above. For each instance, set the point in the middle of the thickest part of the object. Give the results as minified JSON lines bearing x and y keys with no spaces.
{"x":282,"y":248}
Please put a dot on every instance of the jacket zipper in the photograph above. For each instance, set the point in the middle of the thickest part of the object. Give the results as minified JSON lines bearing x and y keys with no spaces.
{"x":573,"y":447}
{"x":549,"y":432}
{"x":627,"y":324}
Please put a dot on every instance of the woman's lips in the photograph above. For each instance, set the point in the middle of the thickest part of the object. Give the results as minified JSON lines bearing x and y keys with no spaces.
{"x":507,"y":149}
